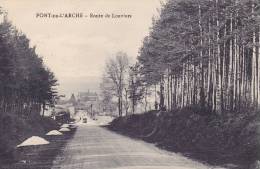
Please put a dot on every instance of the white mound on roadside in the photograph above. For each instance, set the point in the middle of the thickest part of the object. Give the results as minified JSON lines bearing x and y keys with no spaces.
{"x":64,"y":129}
{"x":54,"y":133}
{"x":65,"y":125}
{"x":73,"y":126}
{"x":34,"y":140}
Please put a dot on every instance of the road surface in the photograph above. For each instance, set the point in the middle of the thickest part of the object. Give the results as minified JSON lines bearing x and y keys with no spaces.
{"x":95,"y":147}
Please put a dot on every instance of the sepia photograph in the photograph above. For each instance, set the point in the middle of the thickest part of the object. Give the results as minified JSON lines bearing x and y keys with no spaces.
{"x":129,"y":84}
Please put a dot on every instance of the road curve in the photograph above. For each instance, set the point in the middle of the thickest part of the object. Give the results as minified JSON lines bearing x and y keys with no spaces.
{"x":94,"y":147}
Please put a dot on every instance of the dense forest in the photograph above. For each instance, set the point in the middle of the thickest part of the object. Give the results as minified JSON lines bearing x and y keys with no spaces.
{"x":203,"y":53}
{"x":26,"y":84}
{"x":206,"y":53}
{"x":200,"y":66}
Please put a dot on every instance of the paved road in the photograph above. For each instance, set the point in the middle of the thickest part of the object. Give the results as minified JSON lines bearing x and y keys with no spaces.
{"x":94,"y":147}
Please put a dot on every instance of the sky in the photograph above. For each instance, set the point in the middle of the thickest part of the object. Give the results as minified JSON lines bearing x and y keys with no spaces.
{"x":76,"y":49}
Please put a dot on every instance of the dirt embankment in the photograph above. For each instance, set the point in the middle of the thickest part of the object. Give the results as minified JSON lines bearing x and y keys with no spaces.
{"x":220,"y":140}
{"x":15,"y":129}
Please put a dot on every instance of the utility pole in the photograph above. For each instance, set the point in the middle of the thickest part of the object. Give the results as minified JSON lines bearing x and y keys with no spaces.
{"x":91,"y":111}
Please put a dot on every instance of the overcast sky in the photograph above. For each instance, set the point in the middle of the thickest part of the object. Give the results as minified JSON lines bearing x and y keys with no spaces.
{"x":76,"y":49}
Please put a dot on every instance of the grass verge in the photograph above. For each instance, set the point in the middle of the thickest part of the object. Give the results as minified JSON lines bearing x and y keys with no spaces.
{"x":15,"y":130}
{"x":218,"y":140}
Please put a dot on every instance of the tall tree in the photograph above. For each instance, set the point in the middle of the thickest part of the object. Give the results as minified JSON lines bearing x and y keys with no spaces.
{"x":205,"y":53}
{"x":116,"y":70}
{"x":26,"y":85}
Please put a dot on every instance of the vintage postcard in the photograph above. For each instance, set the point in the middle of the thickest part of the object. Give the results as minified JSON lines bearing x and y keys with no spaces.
{"x":129,"y":84}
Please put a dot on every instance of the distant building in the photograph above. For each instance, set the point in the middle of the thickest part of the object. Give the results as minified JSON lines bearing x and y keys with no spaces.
{"x":87,"y":97}
{"x":89,"y":102}
{"x":72,"y":100}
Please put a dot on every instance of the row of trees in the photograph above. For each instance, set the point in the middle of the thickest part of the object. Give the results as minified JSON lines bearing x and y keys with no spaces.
{"x":26,"y":84}
{"x":204,"y":52}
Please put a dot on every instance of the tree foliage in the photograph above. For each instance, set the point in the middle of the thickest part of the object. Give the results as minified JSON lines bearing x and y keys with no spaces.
{"x":206,"y":53}
{"x":26,"y":84}
{"x":115,"y":72}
